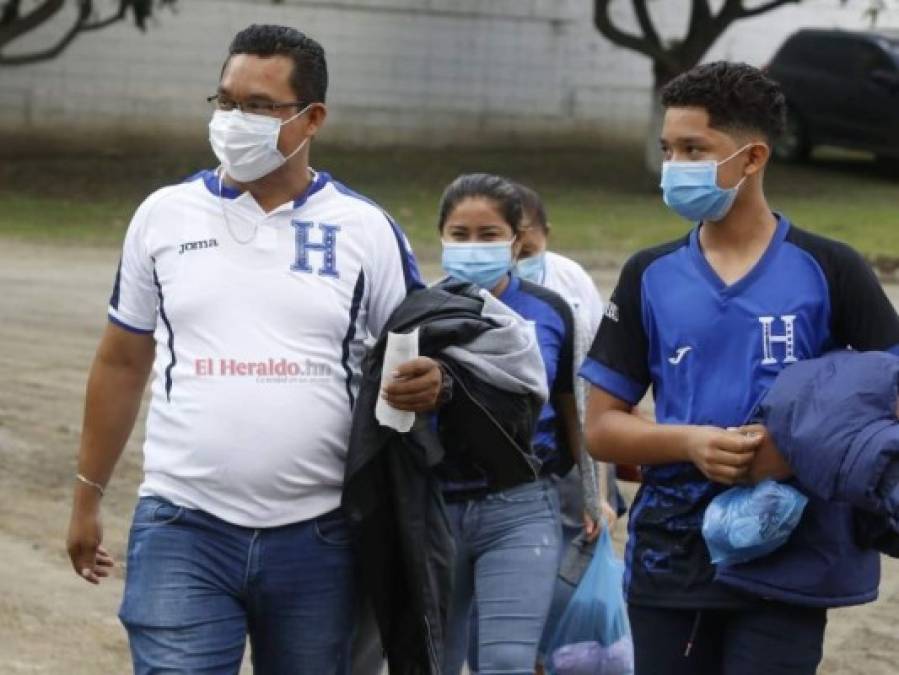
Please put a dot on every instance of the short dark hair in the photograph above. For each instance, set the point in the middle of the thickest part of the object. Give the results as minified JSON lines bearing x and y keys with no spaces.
{"x":737,"y":97}
{"x":533,"y":206}
{"x":309,"y":79}
{"x":497,"y":189}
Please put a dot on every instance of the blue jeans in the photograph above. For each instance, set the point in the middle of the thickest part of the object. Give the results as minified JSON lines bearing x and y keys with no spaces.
{"x":506,"y":562}
{"x":196,"y":586}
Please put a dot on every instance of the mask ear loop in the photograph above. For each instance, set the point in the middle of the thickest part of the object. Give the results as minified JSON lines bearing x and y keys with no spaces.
{"x":305,"y":140}
{"x":724,"y":161}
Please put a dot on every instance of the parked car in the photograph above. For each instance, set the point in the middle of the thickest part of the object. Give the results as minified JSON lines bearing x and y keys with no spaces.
{"x":842,"y":90}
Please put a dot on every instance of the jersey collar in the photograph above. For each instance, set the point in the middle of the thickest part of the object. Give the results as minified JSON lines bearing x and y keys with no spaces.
{"x":219,"y":189}
{"x":709,"y":274}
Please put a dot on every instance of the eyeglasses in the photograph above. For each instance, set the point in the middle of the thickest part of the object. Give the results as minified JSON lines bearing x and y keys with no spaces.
{"x":219,"y":102}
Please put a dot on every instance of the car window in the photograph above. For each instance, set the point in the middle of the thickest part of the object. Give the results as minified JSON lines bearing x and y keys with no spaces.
{"x":799,"y":50}
{"x":840,"y":57}
{"x":868,"y":58}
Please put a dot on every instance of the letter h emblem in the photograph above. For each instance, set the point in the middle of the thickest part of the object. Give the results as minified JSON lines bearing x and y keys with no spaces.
{"x":327,"y":247}
{"x":788,"y":339}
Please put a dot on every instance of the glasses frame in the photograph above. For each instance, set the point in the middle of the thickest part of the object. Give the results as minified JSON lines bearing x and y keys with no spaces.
{"x":270,"y":107}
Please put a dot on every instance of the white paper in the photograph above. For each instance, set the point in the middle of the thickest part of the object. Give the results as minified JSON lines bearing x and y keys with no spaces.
{"x":401,"y":347}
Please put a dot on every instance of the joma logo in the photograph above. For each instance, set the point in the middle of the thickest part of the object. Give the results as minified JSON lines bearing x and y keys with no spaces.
{"x":197,"y":245}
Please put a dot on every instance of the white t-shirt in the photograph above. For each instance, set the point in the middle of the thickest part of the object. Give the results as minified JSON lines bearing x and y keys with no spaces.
{"x":570,"y":280}
{"x":258,"y":345}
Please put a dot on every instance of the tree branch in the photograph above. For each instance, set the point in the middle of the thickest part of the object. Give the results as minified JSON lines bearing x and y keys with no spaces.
{"x":85,"y":8}
{"x":108,"y":21}
{"x":761,"y":9}
{"x":10,"y":12}
{"x":21,"y":25}
{"x":604,"y":25}
{"x":645,"y":21}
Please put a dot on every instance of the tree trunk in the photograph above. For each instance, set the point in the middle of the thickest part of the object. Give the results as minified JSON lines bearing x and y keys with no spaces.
{"x":652,"y":154}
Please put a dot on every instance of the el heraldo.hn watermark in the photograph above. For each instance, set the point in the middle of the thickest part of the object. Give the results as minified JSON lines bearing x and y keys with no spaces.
{"x":274,"y":370}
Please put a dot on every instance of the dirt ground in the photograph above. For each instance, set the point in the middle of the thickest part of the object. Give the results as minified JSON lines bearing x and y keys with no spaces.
{"x":52,"y":309}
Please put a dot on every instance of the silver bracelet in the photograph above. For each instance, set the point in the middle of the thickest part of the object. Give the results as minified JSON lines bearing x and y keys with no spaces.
{"x":99,"y":488}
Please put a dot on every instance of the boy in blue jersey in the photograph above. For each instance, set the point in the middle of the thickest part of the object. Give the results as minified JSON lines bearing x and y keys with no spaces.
{"x":708,"y":321}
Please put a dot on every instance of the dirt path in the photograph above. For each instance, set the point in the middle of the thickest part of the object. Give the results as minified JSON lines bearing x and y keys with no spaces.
{"x":52,"y":309}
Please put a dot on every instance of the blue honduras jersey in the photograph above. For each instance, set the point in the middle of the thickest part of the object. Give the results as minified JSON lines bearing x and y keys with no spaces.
{"x":554,"y":323}
{"x":710,"y":352}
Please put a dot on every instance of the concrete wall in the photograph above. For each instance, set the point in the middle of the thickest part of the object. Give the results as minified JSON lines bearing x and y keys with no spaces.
{"x":402,"y":71}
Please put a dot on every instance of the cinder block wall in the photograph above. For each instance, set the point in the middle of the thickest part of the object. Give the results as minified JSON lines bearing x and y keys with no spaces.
{"x":429,"y":72}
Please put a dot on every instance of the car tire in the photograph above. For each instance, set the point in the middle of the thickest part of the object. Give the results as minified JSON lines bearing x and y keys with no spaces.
{"x":793,"y":145}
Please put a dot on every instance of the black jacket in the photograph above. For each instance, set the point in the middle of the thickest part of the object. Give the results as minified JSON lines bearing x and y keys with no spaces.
{"x":391,"y":496}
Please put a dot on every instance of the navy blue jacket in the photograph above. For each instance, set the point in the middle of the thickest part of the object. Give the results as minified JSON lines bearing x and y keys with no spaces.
{"x":834,"y":420}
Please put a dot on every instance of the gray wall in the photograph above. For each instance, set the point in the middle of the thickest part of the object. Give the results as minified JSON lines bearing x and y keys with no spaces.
{"x":402,"y":71}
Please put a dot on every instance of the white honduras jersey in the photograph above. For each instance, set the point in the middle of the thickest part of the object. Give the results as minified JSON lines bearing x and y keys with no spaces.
{"x":571,"y":281}
{"x":258,"y":345}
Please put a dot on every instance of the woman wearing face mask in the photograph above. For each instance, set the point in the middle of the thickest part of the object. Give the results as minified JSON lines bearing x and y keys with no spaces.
{"x":507,"y":541}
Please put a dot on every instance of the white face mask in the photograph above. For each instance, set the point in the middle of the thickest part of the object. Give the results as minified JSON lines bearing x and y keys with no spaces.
{"x":247,"y":144}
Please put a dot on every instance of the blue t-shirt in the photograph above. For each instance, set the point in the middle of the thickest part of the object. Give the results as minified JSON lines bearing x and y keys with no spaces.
{"x":554,"y":326}
{"x":710,"y":352}
{"x":554,"y":323}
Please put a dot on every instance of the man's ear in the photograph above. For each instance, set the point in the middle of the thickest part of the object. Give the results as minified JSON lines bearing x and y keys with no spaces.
{"x":758,"y":156}
{"x":317,"y":114}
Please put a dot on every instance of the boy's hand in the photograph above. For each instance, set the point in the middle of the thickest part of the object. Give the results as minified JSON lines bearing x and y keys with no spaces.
{"x":768,"y":462}
{"x":722,"y":456}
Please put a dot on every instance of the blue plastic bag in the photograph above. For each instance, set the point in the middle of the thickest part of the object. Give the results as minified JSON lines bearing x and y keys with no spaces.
{"x":745,"y":523}
{"x":593,"y":636}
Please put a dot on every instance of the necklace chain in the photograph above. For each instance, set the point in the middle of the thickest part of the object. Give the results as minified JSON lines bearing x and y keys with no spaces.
{"x":243,"y":242}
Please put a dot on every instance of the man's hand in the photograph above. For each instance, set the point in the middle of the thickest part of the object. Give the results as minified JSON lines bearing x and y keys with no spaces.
{"x":723,"y":456}
{"x":767,"y":462}
{"x":415,"y":386}
{"x":89,"y":559}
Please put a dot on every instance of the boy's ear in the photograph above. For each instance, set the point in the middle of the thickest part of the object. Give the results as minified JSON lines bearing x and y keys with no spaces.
{"x":758,"y":156}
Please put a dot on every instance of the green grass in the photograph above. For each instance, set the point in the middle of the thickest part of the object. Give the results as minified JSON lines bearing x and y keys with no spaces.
{"x":599,"y":200}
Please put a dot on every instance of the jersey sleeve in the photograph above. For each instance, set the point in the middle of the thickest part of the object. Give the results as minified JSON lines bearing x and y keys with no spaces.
{"x":393,"y":273}
{"x":132,"y":305}
{"x":564,"y":383}
{"x":863,"y":317}
{"x":618,"y":360}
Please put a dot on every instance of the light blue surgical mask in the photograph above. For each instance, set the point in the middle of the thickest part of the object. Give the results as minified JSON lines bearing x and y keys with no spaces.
{"x":532,"y":269}
{"x":691,"y":189}
{"x":480,"y":263}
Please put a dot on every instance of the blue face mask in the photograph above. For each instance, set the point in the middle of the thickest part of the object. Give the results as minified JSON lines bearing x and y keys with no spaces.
{"x":691,"y":189}
{"x":479,"y":263}
{"x":532,"y":269}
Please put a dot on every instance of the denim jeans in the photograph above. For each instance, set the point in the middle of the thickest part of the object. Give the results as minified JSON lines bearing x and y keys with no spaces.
{"x":506,"y":562}
{"x":196,"y":586}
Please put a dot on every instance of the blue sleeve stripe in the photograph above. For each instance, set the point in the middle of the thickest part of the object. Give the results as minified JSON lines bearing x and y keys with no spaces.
{"x":171,"y":341}
{"x":116,"y":288}
{"x":611,"y":381}
{"x":411,"y":273}
{"x":358,"y":292}
{"x":130,"y":329}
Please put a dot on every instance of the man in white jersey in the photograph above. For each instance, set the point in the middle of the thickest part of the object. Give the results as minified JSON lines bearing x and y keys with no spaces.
{"x":256,"y":286}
